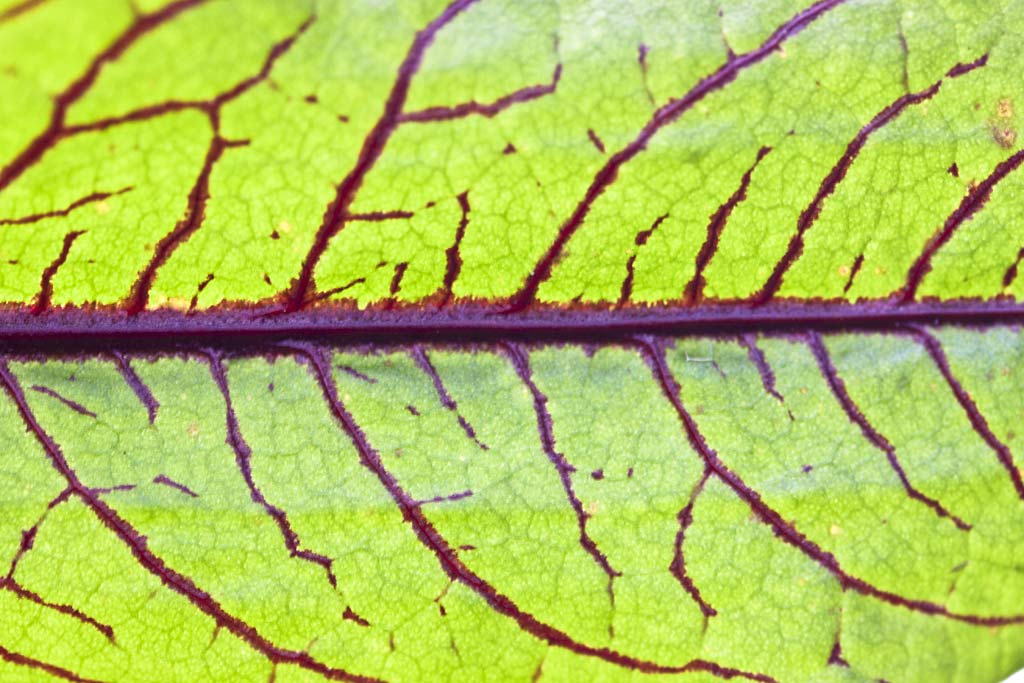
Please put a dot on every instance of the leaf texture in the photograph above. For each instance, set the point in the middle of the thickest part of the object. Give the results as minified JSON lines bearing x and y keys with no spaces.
{"x":768,"y":509}
{"x":512,"y":341}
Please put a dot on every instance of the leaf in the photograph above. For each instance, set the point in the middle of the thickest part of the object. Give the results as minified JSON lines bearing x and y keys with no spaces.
{"x":514,"y":341}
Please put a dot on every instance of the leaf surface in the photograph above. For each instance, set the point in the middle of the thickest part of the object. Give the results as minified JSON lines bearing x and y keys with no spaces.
{"x":510,"y":341}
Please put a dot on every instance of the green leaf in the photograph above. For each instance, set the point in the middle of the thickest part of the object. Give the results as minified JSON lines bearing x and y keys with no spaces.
{"x":515,"y":341}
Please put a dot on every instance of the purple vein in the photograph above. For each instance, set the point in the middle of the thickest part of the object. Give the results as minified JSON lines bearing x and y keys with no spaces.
{"x":455,"y":568}
{"x":678,"y":565}
{"x":42,"y":302}
{"x":53,"y":670}
{"x":453,"y":254}
{"x":489,"y":109}
{"x":56,"y":213}
{"x":756,"y":356}
{"x":164,"y":480}
{"x":978,"y":421}
{"x":545,"y":428}
{"x":142,"y":26}
{"x":969,"y":205}
{"x":8,"y":582}
{"x":19,"y":9}
{"x":853,"y":412}
{"x":74,"y":405}
{"x":243,"y":458}
{"x":419,"y":355}
{"x":838,"y":173}
{"x":135,"y":383}
{"x":1011,"y":273}
{"x":694,"y":290}
{"x":199,"y":195}
{"x":626,"y":290}
{"x":655,"y":356}
{"x":335,"y":214}
{"x":138,"y":544}
{"x":662,"y":117}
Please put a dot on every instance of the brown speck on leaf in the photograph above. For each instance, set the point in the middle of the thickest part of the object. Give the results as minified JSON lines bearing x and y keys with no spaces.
{"x":193,"y":429}
{"x":1004,"y":136}
{"x":844,"y":270}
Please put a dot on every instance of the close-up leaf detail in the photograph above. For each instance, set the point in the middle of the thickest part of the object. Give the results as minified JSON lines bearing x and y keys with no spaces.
{"x":511,"y":340}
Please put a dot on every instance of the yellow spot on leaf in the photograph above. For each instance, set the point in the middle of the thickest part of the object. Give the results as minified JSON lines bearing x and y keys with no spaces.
{"x":835,"y":530}
{"x":1004,"y":109}
{"x":102,"y":208}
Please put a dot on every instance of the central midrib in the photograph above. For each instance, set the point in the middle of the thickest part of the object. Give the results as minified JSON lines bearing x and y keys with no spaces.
{"x":72,"y":329}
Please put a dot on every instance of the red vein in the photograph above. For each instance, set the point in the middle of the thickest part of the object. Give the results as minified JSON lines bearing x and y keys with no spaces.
{"x":641,"y":59}
{"x":8,"y":582}
{"x":143,"y":25}
{"x":164,"y":480}
{"x":338,"y":290}
{"x":970,"y":205}
{"x":756,"y":356}
{"x":75,"y":406}
{"x":678,"y":565}
{"x":53,"y":670}
{"x":857,"y":263}
{"x":655,"y":355}
{"x":978,"y":421}
{"x":446,"y":499}
{"x":88,"y":199}
{"x":1011,"y":273}
{"x":138,"y":544}
{"x":348,"y":369}
{"x":694,"y":290}
{"x":135,"y":383}
{"x":545,"y":429}
{"x":662,"y":117}
{"x":373,"y":145}
{"x":351,"y":615}
{"x":46,"y":281}
{"x":195,"y":212}
{"x":488,"y":110}
{"x":377,"y":216}
{"x":853,"y":412}
{"x":596,"y":141}
{"x":17,"y":589}
{"x":419,"y":355}
{"x":243,"y":458}
{"x":455,"y":568}
{"x":626,"y":291}
{"x":453,"y":255}
{"x":396,"y":279}
{"x":19,"y":9}
{"x":838,"y":173}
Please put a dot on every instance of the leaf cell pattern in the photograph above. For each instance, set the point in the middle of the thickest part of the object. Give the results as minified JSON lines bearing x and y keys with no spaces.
{"x":451,"y":172}
{"x":399,"y":548}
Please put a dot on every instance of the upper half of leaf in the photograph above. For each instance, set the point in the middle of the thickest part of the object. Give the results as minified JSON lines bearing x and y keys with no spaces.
{"x":191,"y":153}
